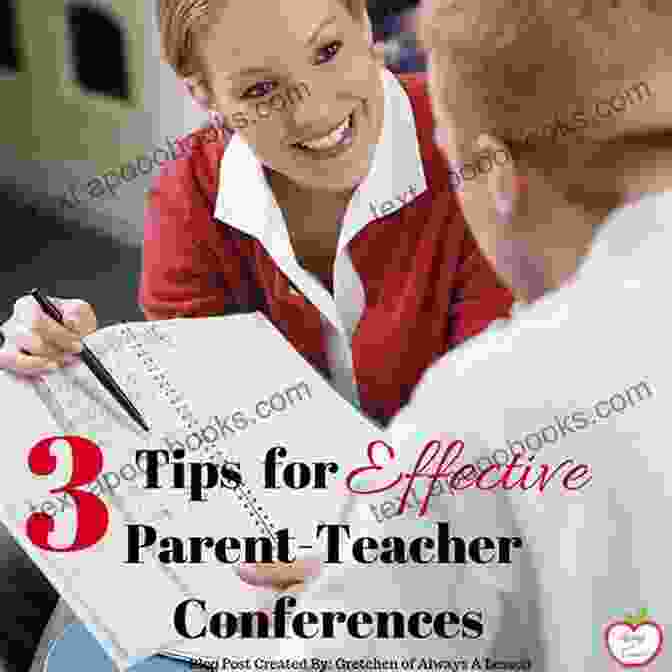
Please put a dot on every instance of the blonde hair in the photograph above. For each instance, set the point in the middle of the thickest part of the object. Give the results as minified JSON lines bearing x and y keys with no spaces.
{"x":181,"y":20}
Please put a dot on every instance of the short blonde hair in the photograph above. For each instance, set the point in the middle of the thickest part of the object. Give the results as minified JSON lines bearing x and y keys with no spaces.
{"x":180,"y":20}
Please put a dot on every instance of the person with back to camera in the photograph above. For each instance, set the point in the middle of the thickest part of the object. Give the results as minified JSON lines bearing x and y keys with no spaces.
{"x":578,"y":225}
{"x":324,"y":203}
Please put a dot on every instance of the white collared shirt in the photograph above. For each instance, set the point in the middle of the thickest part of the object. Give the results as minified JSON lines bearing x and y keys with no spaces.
{"x":590,"y":555}
{"x":246,"y":202}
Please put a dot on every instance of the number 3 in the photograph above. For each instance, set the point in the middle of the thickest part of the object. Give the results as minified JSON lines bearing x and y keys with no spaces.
{"x":92,"y":515}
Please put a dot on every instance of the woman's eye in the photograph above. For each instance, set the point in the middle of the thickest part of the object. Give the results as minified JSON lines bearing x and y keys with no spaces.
{"x":328,"y":52}
{"x":258,"y":90}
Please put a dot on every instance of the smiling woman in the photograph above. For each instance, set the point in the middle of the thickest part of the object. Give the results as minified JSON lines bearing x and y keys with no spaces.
{"x":310,"y":198}
{"x":335,"y":217}
{"x":235,"y":81}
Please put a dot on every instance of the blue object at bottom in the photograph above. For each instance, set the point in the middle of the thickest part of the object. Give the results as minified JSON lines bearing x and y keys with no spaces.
{"x":78,"y":650}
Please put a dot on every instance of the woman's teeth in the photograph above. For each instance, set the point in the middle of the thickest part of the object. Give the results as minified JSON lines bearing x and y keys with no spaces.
{"x":335,"y":138}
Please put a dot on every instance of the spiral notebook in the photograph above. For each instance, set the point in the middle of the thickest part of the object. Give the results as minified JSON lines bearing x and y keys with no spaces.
{"x":223,"y":389}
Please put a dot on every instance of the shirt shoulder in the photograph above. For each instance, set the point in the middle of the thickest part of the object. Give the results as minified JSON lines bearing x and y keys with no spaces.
{"x":192,"y":175}
{"x":612,"y":306}
{"x":184,"y":245}
{"x":632,"y":244}
{"x":180,"y":205}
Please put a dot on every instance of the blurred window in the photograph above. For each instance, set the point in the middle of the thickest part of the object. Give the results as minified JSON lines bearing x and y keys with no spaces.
{"x":98,"y":52}
{"x":9,"y":53}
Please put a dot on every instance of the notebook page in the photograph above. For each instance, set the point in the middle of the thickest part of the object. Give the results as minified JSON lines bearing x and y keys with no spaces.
{"x":223,"y":389}
{"x":102,"y":604}
{"x":243,"y":415}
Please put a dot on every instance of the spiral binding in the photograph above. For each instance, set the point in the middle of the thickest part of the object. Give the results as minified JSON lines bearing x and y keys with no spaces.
{"x":261,"y":519}
{"x":184,"y":410}
{"x":187,"y":417}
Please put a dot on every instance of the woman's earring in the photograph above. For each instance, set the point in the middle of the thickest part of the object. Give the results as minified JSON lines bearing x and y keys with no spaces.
{"x":217,"y":120}
{"x":506,"y":199}
{"x":378,"y":52}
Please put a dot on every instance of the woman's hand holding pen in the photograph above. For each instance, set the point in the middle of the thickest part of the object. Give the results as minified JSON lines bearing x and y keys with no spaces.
{"x":34,"y":343}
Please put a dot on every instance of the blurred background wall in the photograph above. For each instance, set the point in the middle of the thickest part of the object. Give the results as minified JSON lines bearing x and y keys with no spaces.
{"x":83,"y":92}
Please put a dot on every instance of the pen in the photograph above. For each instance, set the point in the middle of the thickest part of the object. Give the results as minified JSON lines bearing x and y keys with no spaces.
{"x":93,"y":363}
{"x":197,"y":661}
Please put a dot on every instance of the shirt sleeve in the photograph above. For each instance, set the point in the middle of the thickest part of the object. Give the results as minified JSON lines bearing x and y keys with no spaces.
{"x":182,"y":275}
{"x":479,"y":297}
{"x":430,"y":588}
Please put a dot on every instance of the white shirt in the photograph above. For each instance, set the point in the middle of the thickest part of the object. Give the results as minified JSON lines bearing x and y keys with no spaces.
{"x":246,"y":197}
{"x":594,"y":554}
